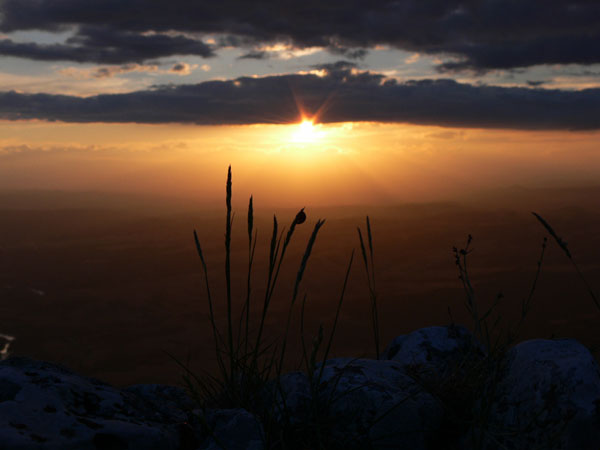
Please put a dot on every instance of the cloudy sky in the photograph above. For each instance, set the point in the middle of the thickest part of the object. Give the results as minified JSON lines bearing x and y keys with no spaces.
{"x":95,"y":91}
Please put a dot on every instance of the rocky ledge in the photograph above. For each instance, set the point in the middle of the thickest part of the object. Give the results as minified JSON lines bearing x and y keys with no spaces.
{"x":435,"y":388}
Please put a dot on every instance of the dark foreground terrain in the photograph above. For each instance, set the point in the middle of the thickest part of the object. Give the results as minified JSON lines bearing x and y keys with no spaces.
{"x":111,"y":288}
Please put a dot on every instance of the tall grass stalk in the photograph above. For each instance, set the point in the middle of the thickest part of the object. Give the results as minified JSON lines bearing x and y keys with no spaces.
{"x":526,"y":303}
{"x":251,"y":251}
{"x":563,"y":245}
{"x":370,"y":273}
{"x":481,"y":327}
{"x":460,"y":259}
{"x":274,"y":268}
{"x":217,"y":340}
{"x":337,"y":315}
{"x":299,"y":276}
{"x":273,"y":251}
{"x":228,"y":225}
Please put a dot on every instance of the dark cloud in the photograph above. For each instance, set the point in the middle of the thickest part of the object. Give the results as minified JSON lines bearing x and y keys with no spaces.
{"x":508,"y":53}
{"x":179,"y":67}
{"x":336,"y":66}
{"x":341,"y":95}
{"x":352,"y":53}
{"x":104,"y":46}
{"x":482,"y":35}
{"x":255,"y":55}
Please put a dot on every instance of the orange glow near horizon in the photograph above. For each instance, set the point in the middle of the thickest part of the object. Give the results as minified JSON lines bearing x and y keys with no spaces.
{"x":302,"y":163}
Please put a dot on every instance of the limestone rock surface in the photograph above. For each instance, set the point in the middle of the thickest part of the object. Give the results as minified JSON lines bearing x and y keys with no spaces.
{"x":45,"y":406}
{"x":548,"y":397}
{"x":375,"y":404}
{"x":437,"y":350}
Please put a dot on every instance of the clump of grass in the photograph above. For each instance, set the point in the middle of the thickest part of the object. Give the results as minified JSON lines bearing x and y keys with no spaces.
{"x":245,"y":360}
{"x":250,"y":367}
{"x":473,"y":383}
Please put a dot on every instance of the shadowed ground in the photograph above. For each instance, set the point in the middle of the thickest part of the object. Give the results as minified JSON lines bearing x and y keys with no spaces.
{"x":109,"y":291}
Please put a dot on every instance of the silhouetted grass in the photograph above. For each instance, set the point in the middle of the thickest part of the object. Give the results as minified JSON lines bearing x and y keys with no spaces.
{"x":474,"y":381}
{"x":563,"y":245}
{"x":245,"y":361}
{"x":370,"y":273}
{"x":248,"y":365}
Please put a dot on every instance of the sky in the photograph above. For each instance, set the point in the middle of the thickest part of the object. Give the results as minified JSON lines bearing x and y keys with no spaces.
{"x":403,"y":100}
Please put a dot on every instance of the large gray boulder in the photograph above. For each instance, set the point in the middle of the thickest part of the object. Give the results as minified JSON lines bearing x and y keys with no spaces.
{"x":375,"y":404}
{"x":354,"y":396}
{"x":45,"y":406}
{"x":436,"y":351}
{"x":548,"y":398}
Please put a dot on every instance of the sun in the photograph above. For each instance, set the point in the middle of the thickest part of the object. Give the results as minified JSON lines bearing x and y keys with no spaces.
{"x":306,"y":132}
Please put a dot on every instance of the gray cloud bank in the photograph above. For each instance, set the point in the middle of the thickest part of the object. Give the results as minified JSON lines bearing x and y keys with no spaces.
{"x":341,"y":95}
{"x":105,"y":46}
{"x":481,"y":34}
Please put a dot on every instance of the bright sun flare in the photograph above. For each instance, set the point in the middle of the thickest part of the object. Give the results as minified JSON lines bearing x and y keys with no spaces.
{"x":306,"y":132}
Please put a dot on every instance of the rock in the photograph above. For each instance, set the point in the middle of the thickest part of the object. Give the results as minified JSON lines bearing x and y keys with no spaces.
{"x":436,"y":350}
{"x":375,"y":404}
{"x":45,"y":406}
{"x":449,"y":363}
{"x":292,"y":398}
{"x":542,"y":394}
{"x":232,"y":429}
{"x":548,"y":397}
{"x":171,"y":401}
